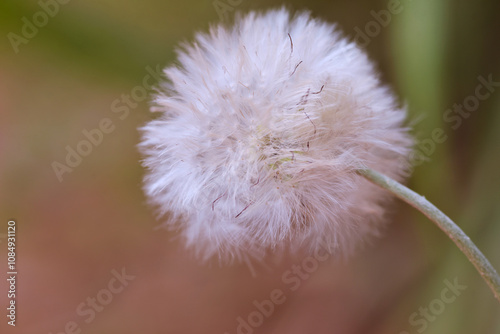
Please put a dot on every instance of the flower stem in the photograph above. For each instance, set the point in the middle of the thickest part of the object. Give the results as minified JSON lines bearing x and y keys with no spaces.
{"x":451,"y":229}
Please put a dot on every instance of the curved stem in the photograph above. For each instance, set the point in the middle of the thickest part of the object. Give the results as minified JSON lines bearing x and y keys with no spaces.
{"x":451,"y":229}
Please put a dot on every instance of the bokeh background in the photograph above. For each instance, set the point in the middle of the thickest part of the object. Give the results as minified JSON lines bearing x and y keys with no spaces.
{"x":73,"y":234}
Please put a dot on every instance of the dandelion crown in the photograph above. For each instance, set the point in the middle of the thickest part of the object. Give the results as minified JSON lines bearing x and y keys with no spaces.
{"x":261,"y":128}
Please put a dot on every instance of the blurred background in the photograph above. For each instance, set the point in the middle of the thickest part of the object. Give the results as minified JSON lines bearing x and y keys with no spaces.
{"x":69,"y":71}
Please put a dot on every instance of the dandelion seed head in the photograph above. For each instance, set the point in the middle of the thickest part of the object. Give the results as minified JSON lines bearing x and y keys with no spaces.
{"x":261,"y":128}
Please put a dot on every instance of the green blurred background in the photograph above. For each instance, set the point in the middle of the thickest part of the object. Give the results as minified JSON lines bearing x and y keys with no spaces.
{"x":71,"y":234}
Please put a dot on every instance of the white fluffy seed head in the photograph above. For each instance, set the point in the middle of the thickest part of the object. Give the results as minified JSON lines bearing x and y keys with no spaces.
{"x":261,"y":129}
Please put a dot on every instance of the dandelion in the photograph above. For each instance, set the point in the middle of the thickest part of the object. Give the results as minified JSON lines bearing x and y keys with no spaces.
{"x":267,"y":136}
{"x":262,"y":127}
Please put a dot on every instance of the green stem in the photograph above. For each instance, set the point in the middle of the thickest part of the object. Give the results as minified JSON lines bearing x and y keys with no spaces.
{"x":451,"y":229}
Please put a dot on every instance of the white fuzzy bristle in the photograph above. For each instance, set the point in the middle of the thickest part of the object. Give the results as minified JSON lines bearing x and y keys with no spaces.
{"x":262,"y":128}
